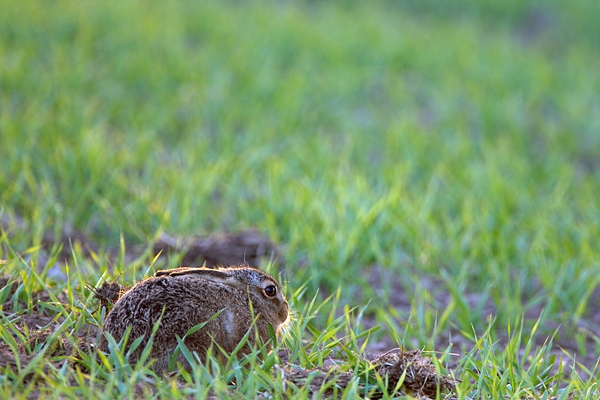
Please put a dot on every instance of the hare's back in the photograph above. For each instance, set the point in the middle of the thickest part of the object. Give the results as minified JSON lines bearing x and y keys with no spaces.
{"x":182,"y":302}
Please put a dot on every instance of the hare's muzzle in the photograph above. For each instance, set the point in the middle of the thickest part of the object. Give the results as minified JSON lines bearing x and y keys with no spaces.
{"x":284,"y":313}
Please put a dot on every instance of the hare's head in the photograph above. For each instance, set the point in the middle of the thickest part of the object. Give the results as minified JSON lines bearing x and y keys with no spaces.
{"x":264,"y":291}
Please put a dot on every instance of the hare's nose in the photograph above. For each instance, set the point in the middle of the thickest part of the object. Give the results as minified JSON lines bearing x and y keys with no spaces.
{"x":284,"y":312}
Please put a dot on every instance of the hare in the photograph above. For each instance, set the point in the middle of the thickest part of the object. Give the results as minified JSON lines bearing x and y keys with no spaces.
{"x":238,"y":299}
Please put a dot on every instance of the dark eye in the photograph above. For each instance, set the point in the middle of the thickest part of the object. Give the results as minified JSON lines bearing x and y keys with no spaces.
{"x":271,"y":290}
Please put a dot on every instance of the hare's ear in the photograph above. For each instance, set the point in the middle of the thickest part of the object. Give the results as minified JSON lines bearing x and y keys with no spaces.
{"x":207,"y":273}
{"x":173,"y":271}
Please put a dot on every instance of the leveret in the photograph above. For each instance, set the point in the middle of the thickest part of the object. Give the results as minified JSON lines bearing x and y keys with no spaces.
{"x":185,"y":297}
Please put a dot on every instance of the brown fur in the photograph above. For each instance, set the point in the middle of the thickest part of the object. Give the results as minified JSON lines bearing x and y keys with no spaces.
{"x":190,"y":296}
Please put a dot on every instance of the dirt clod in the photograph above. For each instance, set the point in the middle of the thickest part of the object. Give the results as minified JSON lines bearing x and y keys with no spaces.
{"x":109,"y":293}
{"x":420,"y":378}
{"x":420,"y":375}
{"x":246,"y":247}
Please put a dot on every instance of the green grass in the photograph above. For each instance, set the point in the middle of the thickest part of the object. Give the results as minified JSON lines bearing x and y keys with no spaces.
{"x":435,"y":144}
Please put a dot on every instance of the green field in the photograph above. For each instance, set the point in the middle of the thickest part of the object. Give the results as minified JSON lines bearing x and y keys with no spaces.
{"x":429,"y":169}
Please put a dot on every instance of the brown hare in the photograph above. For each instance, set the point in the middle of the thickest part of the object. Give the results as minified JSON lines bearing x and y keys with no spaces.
{"x":186,"y":297}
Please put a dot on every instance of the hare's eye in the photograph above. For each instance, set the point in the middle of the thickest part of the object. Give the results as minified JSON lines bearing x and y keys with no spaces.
{"x":271,"y":290}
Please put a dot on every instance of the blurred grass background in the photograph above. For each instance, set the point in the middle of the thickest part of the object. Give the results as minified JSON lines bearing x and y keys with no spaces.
{"x":457,"y":140}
